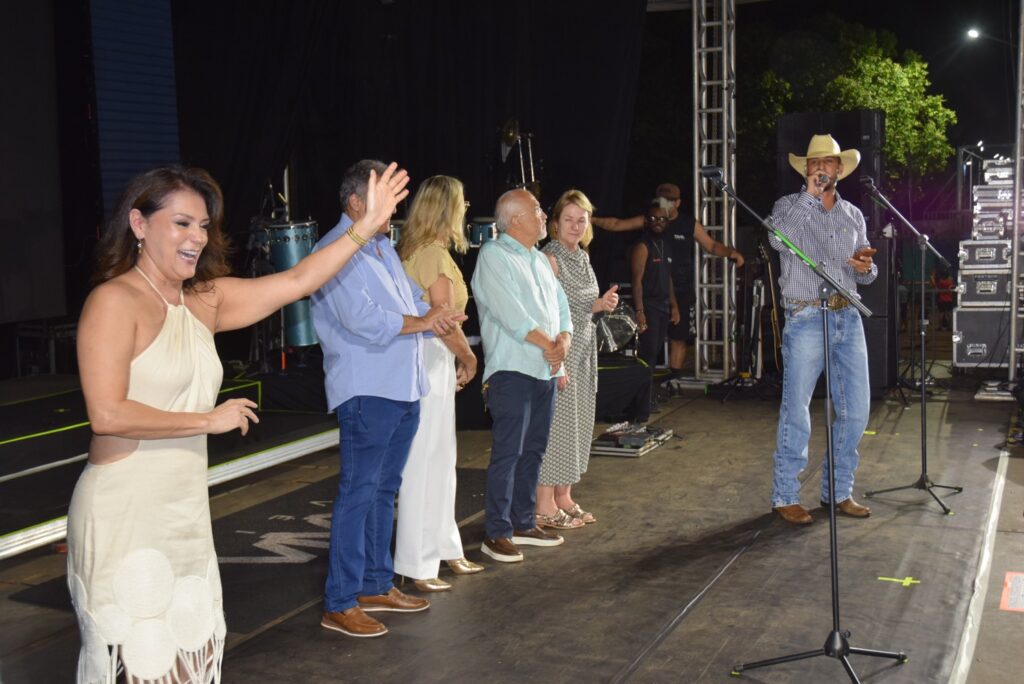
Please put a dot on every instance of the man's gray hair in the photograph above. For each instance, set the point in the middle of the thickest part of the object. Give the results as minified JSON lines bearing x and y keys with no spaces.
{"x":354,"y":181}
{"x":504,"y":210}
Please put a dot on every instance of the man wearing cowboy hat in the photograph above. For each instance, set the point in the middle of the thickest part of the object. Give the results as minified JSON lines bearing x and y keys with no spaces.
{"x":831,"y":231}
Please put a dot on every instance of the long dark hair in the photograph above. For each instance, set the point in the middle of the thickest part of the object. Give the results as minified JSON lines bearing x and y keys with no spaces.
{"x":117,"y":250}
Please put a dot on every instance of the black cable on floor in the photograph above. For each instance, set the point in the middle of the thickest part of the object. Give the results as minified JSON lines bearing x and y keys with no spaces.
{"x":627,"y":671}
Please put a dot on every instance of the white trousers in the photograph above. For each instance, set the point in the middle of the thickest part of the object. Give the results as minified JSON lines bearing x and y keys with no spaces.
{"x":427,"y":531}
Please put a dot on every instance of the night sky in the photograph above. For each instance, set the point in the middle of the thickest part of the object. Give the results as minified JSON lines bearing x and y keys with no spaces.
{"x":977,"y":77}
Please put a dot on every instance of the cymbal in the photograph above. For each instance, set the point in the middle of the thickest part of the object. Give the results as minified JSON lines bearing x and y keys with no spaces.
{"x":510,"y":131}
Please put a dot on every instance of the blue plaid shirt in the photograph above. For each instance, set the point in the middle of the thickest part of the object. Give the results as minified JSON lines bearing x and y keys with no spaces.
{"x":829,"y":237}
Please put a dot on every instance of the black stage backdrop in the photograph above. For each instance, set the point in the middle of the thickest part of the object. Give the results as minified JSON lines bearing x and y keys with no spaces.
{"x":319,"y":85}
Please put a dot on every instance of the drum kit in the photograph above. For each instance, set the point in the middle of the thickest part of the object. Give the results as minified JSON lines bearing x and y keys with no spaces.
{"x":285,"y":243}
{"x":275,"y":244}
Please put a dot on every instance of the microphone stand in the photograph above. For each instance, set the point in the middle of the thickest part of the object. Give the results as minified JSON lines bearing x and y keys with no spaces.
{"x":924,"y":245}
{"x":837,"y":644}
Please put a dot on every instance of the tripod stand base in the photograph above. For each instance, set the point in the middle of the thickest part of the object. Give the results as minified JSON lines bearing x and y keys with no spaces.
{"x":837,"y":646}
{"x":925,"y":483}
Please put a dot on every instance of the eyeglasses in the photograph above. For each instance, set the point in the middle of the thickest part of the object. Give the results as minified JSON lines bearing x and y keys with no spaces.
{"x":656,"y":219}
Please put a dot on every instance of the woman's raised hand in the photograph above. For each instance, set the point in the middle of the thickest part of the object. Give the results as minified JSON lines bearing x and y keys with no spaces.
{"x":383,"y":194}
{"x":233,"y":413}
{"x":608,"y":301}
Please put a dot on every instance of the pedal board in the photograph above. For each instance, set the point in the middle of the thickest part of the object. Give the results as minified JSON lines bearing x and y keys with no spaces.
{"x":629,"y":441}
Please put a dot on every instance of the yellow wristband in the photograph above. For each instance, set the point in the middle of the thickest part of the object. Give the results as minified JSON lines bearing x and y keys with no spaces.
{"x":357,"y":238}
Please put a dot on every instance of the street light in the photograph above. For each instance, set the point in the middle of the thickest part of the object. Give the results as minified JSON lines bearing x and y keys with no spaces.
{"x":975,"y":34}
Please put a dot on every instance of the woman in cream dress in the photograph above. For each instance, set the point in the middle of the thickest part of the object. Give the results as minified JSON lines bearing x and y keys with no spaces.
{"x":142,"y":569}
{"x":427,"y":532}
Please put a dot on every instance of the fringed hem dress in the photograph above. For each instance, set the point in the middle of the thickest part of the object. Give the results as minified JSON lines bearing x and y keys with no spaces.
{"x":142,"y":569}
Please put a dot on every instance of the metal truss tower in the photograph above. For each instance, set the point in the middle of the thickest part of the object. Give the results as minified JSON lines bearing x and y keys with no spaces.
{"x":1015,"y":238}
{"x":714,"y":143}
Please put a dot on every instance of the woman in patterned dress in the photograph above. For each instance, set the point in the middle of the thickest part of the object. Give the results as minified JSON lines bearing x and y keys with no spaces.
{"x":572,"y":429}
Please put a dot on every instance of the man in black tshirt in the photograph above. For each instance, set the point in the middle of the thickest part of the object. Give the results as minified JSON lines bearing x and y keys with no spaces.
{"x":681,"y":233}
{"x":653,"y":294}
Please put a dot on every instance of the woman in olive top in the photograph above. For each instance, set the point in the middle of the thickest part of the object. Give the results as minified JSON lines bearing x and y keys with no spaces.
{"x":427,"y":531}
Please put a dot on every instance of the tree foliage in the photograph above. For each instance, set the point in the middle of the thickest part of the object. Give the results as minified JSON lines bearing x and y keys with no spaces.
{"x":844,"y":66}
{"x":915,"y":122}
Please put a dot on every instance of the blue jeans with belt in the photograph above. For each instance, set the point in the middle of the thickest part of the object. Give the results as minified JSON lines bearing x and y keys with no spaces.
{"x":803,"y":357}
{"x":522,"y":408}
{"x":375,"y":437}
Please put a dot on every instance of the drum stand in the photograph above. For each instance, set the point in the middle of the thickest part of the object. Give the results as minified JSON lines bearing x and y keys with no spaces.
{"x":748,"y":370}
{"x":258,"y":264}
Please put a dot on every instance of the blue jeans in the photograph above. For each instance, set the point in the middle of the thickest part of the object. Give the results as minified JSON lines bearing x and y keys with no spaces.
{"x":375,"y":437}
{"x":803,"y":356}
{"x":521,"y":408}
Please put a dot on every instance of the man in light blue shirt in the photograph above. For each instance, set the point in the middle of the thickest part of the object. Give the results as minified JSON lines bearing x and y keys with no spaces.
{"x":369,"y":318}
{"x":526,"y":330}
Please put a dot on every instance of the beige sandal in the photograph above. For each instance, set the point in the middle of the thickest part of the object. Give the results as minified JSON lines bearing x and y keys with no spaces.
{"x":560,"y":520}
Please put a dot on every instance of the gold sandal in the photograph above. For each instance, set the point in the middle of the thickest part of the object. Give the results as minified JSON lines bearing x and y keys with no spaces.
{"x":559,"y":520}
{"x":579,"y":514}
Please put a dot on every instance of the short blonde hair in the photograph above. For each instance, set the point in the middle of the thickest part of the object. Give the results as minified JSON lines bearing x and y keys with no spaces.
{"x":438,"y":211}
{"x":572,"y":196}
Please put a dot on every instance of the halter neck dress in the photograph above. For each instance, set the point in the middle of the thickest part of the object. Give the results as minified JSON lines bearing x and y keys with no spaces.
{"x":142,"y":569}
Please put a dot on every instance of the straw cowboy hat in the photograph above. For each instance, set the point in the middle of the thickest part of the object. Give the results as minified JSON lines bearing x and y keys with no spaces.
{"x":825,"y":146}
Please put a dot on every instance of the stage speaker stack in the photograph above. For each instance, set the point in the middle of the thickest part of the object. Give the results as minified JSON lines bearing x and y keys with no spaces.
{"x":863,"y":130}
{"x":985,"y":291}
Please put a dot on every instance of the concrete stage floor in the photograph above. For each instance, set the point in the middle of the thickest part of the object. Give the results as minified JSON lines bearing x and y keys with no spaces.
{"x":685,"y":574}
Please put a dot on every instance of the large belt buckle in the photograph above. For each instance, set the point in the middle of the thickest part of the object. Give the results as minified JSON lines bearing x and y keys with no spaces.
{"x":837,"y":301}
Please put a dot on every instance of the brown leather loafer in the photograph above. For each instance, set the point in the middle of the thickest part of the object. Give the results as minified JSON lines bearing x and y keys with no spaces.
{"x":393,"y":602}
{"x":502,"y":550}
{"x":535,"y":536}
{"x":794,"y":514}
{"x":461,"y":566}
{"x":850,"y":507}
{"x":432,"y":584}
{"x":353,"y":622}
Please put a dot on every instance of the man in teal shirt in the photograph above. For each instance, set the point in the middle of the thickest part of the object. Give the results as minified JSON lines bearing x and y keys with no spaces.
{"x":526,"y":330}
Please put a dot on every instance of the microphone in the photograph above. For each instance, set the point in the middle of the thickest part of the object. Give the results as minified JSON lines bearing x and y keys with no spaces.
{"x":868,"y":182}
{"x":823,"y":179}
{"x":711,"y":172}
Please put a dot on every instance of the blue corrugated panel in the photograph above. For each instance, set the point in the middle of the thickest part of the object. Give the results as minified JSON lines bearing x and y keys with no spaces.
{"x":136,"y":101}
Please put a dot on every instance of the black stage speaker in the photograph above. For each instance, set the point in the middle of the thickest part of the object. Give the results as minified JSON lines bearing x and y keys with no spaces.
{"x":880,"y":295}
{"x":862,"y":129}
{"x":880,"y":335}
